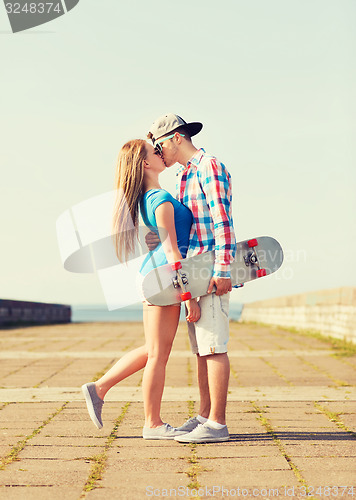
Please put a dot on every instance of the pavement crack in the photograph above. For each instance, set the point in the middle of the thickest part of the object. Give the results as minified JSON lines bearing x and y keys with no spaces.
{"x":277,"y":372}
{"x":268,"y":426}
{"x":338,"y":383}
{"x":12,"y":456}
{"x":189,"y":373}
{"x":19,"y":369}
{"x":71,"y":345}
{"x":195,"y":468}
{"x":108,"y":341}
{"x":236,"y":377}
{"x":100,"y":460}
{"x":4,"y":405}
{"x":103,"y":371}
{"x":53,"y":374}
{"x":334,"y":417}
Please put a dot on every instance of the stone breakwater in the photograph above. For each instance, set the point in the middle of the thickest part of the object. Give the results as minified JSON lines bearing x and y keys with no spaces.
{"x":16,"y":312}
{"x":330,"y":312}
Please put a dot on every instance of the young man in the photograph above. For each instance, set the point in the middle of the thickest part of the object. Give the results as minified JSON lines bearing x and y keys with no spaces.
{"x":204,"y":186}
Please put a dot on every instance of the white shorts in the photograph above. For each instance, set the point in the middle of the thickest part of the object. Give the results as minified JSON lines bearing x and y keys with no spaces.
{"x":210,"y":334}
{"x":139,"y":280}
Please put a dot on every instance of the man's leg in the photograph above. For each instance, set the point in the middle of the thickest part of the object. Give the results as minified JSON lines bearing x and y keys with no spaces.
{"x":203,"y":383}
{"x":209,"y":337}
{"x":218,"y":373}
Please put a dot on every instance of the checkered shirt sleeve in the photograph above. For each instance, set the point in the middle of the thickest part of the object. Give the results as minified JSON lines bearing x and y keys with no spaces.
{"x":205,"y":187}
{"x":216,"y":186}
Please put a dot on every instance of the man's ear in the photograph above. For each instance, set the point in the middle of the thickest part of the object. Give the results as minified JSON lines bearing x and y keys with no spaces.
{"x":178,"y":137}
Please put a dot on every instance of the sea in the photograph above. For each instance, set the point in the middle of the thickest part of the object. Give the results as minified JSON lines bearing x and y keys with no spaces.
{"x":99,"y":312}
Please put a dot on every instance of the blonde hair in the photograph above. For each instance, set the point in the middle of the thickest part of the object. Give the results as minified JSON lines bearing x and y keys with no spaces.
{"x":129,"y":183}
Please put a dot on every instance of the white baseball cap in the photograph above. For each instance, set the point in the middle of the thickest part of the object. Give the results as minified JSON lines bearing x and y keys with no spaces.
{"x":169,"y":123}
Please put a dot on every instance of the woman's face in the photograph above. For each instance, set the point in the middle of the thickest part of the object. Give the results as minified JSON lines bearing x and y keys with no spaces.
{"x":154,"y":159}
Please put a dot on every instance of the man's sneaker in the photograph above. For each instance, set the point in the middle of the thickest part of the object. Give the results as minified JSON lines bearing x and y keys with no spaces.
{"x":203,"y":433}
{"x":165,"y":431}
{"x":94,"y":403}
{"x":189,"y":425}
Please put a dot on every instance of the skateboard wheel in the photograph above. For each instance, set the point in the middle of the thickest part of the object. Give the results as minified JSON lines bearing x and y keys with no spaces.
{"x":176,"y":266}
{"x":261,"y":273}
{"x":252,"y":243}
{"x":186,"y":296}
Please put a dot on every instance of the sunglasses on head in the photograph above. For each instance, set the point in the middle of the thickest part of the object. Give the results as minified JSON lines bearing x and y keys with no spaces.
{"x":158,"y":147}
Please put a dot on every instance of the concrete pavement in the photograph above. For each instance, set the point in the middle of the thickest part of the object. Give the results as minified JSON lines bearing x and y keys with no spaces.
{"x":291,"y":417}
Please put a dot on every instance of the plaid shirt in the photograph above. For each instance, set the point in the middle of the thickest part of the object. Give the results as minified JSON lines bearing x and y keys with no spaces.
{"x":204,"y":186}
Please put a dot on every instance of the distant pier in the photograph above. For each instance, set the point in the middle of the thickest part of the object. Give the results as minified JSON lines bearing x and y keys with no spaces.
{"x":18,"y":312}
{"x":330,"y":312}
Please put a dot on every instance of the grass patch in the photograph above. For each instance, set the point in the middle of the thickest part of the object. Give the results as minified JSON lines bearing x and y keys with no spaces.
{"x":342,"y":346}
{"x":103,"y":371}
{"x":193,"y":471}
{"x":3,"y":405}
{"x":100,"y":460}
{"x":277,"y":372}
{"x":334,"y":417}
{"x":267,"y":425}
{"x":337,"y":382}
{"x":190,"y":373}
{"x":235,"y":375}
{"x":14,"y":453}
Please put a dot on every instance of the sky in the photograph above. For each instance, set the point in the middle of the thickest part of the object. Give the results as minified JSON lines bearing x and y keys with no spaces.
{"x":272,"y":81}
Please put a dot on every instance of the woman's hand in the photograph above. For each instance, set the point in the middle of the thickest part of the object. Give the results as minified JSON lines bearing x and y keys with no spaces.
{"x":193,"y":310}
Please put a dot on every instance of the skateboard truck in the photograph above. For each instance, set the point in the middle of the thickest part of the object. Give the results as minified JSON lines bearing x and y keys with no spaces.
{"x":180,"y":281}
{"x":252,"y":259}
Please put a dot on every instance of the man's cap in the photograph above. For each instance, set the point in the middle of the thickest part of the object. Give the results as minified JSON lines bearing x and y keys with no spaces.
{"x":169,"y":123}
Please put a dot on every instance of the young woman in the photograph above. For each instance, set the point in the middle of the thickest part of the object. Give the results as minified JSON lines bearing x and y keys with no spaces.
{"x":138,"y":169}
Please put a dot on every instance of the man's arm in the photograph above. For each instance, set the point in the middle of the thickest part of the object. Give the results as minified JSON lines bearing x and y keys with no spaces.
{"x":152,"y":240}
{"x":216,"y":185}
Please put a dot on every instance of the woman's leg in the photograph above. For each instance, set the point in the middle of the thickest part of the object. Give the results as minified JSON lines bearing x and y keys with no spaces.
{"x":160,"y":325}
{"x":130,"y":363}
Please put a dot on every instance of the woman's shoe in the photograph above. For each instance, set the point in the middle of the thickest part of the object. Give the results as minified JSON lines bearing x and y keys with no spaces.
{"x":94,"y":404}
{"x":164,"y":431}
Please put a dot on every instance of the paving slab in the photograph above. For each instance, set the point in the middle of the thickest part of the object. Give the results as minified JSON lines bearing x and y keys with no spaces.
{"x":39,"y":493}
{"x":286,"y":412}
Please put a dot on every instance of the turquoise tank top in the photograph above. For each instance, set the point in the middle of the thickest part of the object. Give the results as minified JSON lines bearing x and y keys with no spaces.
{"x":182,"y":219}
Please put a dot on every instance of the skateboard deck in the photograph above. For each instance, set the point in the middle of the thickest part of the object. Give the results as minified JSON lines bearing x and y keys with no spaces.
{"x":190,"y":277}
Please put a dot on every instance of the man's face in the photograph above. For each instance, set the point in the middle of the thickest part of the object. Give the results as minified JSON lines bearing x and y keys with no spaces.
{"x":169,"y":151}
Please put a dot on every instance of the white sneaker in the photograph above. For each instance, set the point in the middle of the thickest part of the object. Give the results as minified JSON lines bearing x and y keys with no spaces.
{"x":165,"y":431}
{"x":203,"y":433}
{"x":189,"y":425}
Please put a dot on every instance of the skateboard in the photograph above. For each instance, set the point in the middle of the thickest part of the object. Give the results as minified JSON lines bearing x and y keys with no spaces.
{"x":190,"y":278}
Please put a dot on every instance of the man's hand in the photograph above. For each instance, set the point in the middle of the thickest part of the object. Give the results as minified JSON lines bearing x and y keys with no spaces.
{"x":152,"y":240}
{"x":223,"y":285}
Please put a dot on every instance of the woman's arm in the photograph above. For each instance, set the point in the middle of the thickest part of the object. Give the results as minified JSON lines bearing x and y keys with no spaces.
{"x":167,"y":231}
